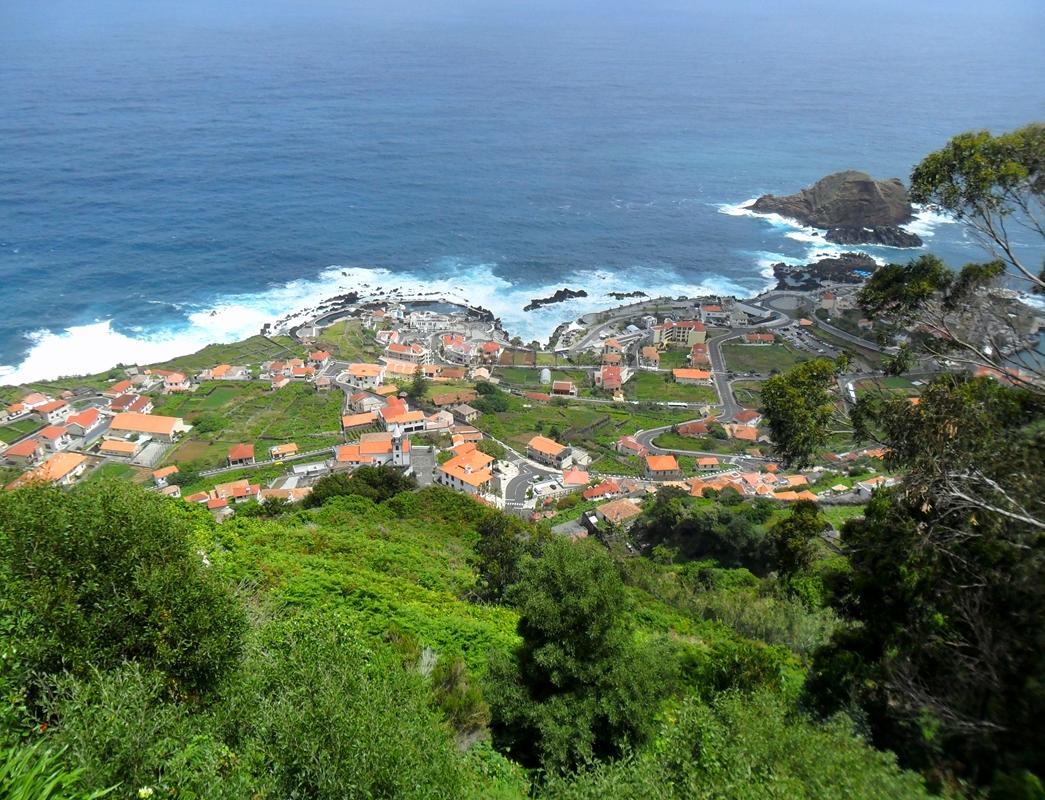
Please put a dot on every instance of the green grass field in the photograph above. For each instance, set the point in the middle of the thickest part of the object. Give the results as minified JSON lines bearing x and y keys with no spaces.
{"x":113,"y":469}
{"x":748,"y":393}
{"x":404,"y":565}
{"x":837,"y":515}
{"x":674,"y":358}
{"x":708,"y":444}
{"x":250,"y":412}
{"x":16,"y":430}
{"x":890,"y":384}
{"x":659,"y":386}
{"x":350,"y":341}
{"x":761,"y":357}
{"x":249,"y":352}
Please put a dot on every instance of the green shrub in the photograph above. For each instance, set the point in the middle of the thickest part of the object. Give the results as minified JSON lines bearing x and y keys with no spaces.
{"x":107,"y":574}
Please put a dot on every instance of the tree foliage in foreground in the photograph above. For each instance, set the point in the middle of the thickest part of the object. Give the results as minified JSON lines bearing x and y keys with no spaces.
{"x":746,"y":747}
{"x":578,"y":688}
{"x":948,"y":661}
{"x":108,"y":574}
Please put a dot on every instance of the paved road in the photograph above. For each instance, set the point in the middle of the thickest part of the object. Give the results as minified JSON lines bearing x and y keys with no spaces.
{"x":645,"y":438}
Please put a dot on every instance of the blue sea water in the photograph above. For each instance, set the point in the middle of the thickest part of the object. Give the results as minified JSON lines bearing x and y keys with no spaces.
{"x":177,"y":172}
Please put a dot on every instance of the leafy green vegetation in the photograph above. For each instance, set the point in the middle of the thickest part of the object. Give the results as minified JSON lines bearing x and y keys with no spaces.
{"x":348,"y":340}
{"x":249,"y":352}
{"x":237,"y":412}
{"x":16,"y":430}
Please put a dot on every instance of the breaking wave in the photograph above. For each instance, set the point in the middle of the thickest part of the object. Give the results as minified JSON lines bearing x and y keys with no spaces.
{"x":104,"y":343}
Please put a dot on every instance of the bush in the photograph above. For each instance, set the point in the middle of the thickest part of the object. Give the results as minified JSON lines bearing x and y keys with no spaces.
{"x":375,"y":483}
{"x":577,"y":688}
{"x":337,"y":719}
{"x":107,"y":574}
{"x":708,"y":751}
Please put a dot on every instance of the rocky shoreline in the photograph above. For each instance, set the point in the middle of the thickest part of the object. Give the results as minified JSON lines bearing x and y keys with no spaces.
{"x":845,"y":268}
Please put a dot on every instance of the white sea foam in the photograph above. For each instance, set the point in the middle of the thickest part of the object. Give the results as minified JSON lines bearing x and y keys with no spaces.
{"x":98,"y":346}
{"x":925,"y":221}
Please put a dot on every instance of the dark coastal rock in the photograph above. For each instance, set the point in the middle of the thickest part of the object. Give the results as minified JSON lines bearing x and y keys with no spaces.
{"x":852,"y":206}
{"x":877,"y":234}
{"x":560,"y":296}
{"x":625,"y":295}
{"x":845,"y":268}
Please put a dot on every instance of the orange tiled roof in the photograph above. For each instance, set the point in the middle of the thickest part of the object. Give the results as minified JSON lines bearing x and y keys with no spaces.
{"x":546,"y":446}
{"x":662,"y":463}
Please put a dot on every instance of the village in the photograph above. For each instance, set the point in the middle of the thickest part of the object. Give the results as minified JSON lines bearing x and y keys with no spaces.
{"x":661,"y":392}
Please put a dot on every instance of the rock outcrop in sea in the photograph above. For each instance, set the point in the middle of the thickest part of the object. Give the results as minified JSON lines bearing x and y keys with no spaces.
{"x":852,"y":207}
{"x":560,"y":296}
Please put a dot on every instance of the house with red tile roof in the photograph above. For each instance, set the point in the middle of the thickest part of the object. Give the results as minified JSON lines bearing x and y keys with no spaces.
{"x":612,"y":378}
{"x":83,"y":424}
{"x":548,"y":451}
{"x":361,"y":402}
{"x":568,"y":388}
{"x":604,"y":489}
{"x":54,"y":412}
{"x":490,"y":352}
{"x":467,"y":471}
{"x":373,"y":449}
{"x":364,"y":376}
{"x":748,"y":417}
{"x":618,"y":512}
{"x":319,"y":358}
{"x":694,"y":428}
{"x":691,"y":376}
{"x":116,"y":389}
{"x":240,"y":455}
{"x":61,"y":469}
{"x":163,"y":475}
{"x":662,"y":468}
{"x":175,"y":382}
{"x":164,"y":429}
{"x":629,"y":446}
{"x":698,"y":356}
{"x":279,"y":451}
{"x":355,"y":421}
{"x":414,"y":353}
{"x":649,"y":357}
{"x":537,"y":397}
{"x":24,"y":453}
{"x":746,"y":433}
{"x":55,"y":437}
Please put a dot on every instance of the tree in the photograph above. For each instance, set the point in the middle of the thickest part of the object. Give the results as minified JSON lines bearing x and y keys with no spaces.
{"x":745,"y":747}
{"x":375,"y":483}
{"x":993,"y":184}
{"x":491,"y":448}
{"x":946,"y":656}
{"x":799,"y":406}
{"x":503,"y":542}
{"x":795,"y":538}
{"x":577,"y":688}
{"x":109,"y":574}
{"x":418,"y":386}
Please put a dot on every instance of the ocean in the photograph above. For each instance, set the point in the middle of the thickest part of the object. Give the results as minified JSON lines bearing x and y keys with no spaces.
{"x":180,"y":172}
